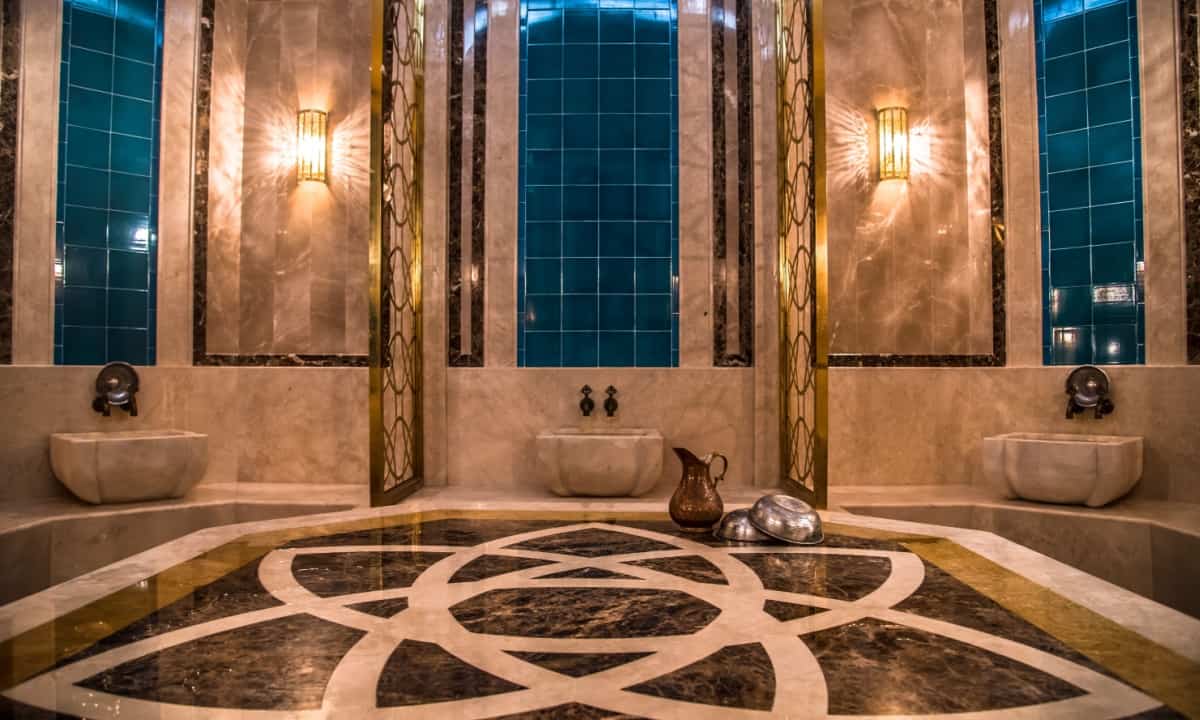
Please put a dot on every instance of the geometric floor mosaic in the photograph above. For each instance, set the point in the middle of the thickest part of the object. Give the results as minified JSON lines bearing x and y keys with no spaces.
{"x":559,"y":618}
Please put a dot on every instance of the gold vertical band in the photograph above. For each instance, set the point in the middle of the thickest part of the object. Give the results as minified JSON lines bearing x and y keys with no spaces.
{"x":821,"y":250}
{"x":377,"y":445}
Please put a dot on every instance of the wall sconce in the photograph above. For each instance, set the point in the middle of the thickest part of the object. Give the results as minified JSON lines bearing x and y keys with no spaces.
{"x":893,"y":143}
{"x":312,"y":143}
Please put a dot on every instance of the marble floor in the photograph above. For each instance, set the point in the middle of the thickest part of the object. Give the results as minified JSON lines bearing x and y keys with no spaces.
{"x":589,"y":612}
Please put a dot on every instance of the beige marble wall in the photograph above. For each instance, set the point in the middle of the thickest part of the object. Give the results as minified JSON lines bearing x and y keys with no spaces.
{"x":292,"y":425}
{"x":908,"y":260}
{"x":288,"y":263}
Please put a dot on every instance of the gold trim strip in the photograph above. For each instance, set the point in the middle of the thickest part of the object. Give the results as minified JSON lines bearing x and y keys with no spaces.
{"x":821,"y":248}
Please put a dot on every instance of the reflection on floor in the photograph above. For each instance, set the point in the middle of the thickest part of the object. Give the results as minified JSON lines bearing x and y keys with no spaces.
{"x":572,"y":617}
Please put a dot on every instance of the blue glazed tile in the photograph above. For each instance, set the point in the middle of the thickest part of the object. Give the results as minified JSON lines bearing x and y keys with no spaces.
{"x":654,"y":239}
{"x":133,"y":78}
{"x":1072,"y":345}
{"x":580,"y":167}
{"x":128,"y":270}
{"x":90,"y":69}
{"x":652,"y":27}
{"x":127,"y":308}
{"x":617,"y":61}
{"x":135,"y":41}
{"x":83,"y":306}
{"x":617,"y":312}
{"x":616,"y":202}
{"x":1054,"y":9}
{"x":544,"y":167}
{"x":132,"y":117}
{"x":128,"y":231}
{"x":543,"y":312}
{"x":616,"y":276}
{"x":617,"y":349}
{"x":617,"y":238}
{"x":1067,"y":151}
{"x":1108,"y":64}
{"x":1065,"y":74}
{"x":88,"y":148}
{"x":139,"y":11}
{"x":616,"y":26}
{"x":618,"y":131}
{"x":579,"y":202}
{"x":653,"y":131}
{"x":1064,"y":36}
{"x":653,"y":61}
{"x":1071,"y":305}
{"x":653,"y":312}
{"x":1108,"y":104}
{"x":90,"y":109}
{"x":654,"y":167}
{"x":653,"y":96}
{"x":579,"y":239}
{"x":1112,"y":263}
{"x":131,"y":154}
{"x":1070,"y":267}
{"x":581,"y":26}
{"x":1116,"y":344}
{"x":580,"y":131}
{"x":580,"y":61}
{"x":543,"y":239}
{"x":579,"y":349}
{"x":544,"y":96}
{"x":1066,"y":112}
{"x":1069,"y":228}
{"x":85,"y":266}
{"x":85,"y":226}
{"x":1116,"y":306}
{"x":90,"y":30}
{"x":543,"y":204}
{"x":545,"y":61}
{"x":1068,"y":190}
{"x":1107,"y":25}
{"x":86,"y":187}
{"x":129,"y":193}
{"x":543,"y":276}
{"x":579,"y":312}
{"x":654,"y":276}
{"x":579,"y":276}
{"x":83,"y":346}
{"x":1112,"y":183}
{"x":1113,"y":223}
{"x":543,"y":349}
{"x":545,"y":27}
{"x":615,"y":96}
{"x":617,"y":168}
{"x":653,"y":349}
{"x":653,"y":202}
{"x":1111,"y":143}
{"x":127,"y":345}
{"x":580,"y":95}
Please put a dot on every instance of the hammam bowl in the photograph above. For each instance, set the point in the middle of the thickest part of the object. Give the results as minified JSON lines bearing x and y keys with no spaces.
{"x":786,"y":518}
{"x":600,"y":463}
{"x":1091,"y":470}
{"x":128,"y":466}
{"x":737,"y":526}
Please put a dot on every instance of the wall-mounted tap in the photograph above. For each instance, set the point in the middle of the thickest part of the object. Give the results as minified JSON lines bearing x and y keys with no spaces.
{"x":116,"y":384}
{"x":1088,"y":387}
{"x":587,"y":404}
{"x":610,"y":405}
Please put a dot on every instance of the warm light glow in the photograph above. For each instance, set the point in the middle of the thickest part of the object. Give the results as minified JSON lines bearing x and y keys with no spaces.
{"x":893,"y":143}
{"x":312,"y":142}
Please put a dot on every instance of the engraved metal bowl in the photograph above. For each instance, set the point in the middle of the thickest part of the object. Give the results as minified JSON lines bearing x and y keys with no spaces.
{"x":736,"y":526}
{"x":786,"y":518}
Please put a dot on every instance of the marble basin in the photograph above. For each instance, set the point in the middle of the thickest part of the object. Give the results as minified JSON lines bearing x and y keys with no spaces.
{"x":1091,"y":470}
{"x":127,"y":466}
{"x":600,"y":463}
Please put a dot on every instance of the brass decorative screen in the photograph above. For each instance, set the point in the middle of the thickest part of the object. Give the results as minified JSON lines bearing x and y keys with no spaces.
{"x":396,"y":135}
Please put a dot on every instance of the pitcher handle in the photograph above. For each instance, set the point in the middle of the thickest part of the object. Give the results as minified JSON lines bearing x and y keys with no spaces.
{"x":724,"y":468}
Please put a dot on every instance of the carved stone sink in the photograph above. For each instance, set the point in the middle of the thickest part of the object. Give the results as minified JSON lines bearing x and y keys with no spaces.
{"x":131,"y":465}
{"x":1090,"y":470}
{"x":605,"y":463}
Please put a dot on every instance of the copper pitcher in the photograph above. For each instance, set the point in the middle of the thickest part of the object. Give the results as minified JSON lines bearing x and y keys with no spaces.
{"x":696,"y":506}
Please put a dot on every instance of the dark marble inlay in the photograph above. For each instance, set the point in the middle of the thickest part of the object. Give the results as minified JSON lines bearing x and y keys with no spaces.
{"x":238,"y":592}
{"x":876,"y":667}
{"x":1189,"y":80}
{"x":10,"y":81}
{"x":13,"y":710}
{"x":477,"y":26}
{"x":578,"y":664}
{"x":451,"y":531}
{"x":569,"y":711}
{"x":784,"y":611}
{"x":584,"y":613}
{"x":281,"y":664}
{"x":486,"y":566}
{"x":593,"y":542}
{"x":724,"y":89}
{"x":588,"y":573}
{"x":346,"y":573}
{"x":691,"y":567}
{"x":421,"y":672}
{"x":382,"y":608}
{"x":841,"y":577}
{"x":740,"y":676}
{"x":1162,"y":712}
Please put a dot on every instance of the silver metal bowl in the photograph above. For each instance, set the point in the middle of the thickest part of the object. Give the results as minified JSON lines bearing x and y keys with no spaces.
{"x":786,"y":518}
{"x":736,"y":526}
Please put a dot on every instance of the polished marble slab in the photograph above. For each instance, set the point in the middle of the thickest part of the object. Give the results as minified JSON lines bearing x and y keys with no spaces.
{"x":596,"y":612}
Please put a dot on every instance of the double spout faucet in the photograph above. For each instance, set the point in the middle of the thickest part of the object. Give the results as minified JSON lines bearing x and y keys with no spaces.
{"x":587,"y":404}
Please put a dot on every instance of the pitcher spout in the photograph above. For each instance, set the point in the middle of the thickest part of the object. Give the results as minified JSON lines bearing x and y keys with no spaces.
{"x":687,"y":457}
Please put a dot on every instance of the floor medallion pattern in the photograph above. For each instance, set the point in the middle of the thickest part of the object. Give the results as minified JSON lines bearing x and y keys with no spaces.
{"x":499,"y":618}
